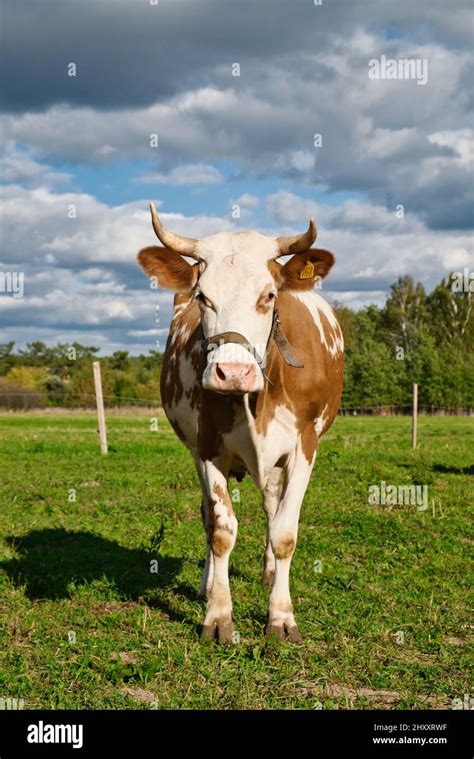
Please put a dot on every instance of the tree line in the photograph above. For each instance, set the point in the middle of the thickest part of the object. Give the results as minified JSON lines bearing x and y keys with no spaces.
{"x":414,"y":337}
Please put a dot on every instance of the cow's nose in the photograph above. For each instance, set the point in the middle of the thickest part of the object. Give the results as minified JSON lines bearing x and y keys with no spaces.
{"x":234,"y":377}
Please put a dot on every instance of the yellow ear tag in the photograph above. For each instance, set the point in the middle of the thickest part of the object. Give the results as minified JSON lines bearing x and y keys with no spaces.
{"x":307,"y":272}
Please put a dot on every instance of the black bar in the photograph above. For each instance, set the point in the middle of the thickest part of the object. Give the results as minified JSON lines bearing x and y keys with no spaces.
{"x":314,"y":733}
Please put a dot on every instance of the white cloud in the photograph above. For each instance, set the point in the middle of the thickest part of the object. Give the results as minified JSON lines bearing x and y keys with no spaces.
{"x":96,"y":287}
{"x":459,"y":140}
{"x":385,"y":143}
{"x":98,"y":234}
{"x":372,"y":245}
{"x":288,"y":208}
{"x":182,"y":176}
{"x":247,"y":204}
{"x":93,"y":280}
{"x":456,"y":259}
{"x":248,"y":201}
{"x":382,"y":137}
{"x":391,"y":142}
{"x":16,"y":166}
{"x":147,"y":332}
{"x":301,"y":160}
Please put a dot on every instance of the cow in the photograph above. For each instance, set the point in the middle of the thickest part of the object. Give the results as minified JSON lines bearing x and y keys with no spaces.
{"x":251,"y":380}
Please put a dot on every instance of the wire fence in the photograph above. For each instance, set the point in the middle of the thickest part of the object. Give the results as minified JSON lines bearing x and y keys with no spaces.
{"x":37,"y":400}
{"x":87,"y":401}
{"x":405,"y":410}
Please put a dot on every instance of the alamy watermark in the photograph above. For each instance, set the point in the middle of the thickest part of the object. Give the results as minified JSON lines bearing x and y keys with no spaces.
{"x":237,"y":353}
{"x":49,"y":733}
{"x":12,"y":282}
{"x":466,"y":702}
{"x":462,"y":282}
{"x":385,"y":494}
{"x":11,"y":703}
{"x":399,"y":68}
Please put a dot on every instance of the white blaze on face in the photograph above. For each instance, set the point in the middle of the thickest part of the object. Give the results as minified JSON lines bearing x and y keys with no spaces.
{"x":234,"y":285}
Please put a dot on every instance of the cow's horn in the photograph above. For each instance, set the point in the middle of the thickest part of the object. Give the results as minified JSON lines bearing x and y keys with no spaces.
{"x":297,"y":243}
{"x":183,"y":245}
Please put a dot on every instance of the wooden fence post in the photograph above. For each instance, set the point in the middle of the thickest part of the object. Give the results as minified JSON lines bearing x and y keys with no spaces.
{"x":100,"y":407}
{"x":415,"y":415}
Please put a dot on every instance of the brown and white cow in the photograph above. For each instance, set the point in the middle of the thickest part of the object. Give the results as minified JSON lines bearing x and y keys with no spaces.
{"x":251,"y":380}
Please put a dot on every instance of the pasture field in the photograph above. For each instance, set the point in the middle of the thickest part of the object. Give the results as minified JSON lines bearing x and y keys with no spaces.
{"x":380,"y":592}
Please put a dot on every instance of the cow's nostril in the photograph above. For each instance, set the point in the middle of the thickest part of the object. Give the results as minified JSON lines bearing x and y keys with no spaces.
{"x":220,"y":373}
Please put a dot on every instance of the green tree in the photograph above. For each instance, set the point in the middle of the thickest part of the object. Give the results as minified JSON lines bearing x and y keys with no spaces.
{"x":451,"y":314}
{"x":404,"y":313}
{"x":119,"y":361}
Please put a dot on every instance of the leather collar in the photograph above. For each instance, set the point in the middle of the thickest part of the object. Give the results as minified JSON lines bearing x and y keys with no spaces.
{"x":276,"y":333}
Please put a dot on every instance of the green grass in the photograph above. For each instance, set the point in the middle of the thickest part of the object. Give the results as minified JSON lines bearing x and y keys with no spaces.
{"x":84,"y":567}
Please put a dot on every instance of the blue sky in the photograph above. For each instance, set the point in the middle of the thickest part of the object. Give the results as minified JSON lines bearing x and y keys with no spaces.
{"x":167,"y":69}
{"x":115,"y":184}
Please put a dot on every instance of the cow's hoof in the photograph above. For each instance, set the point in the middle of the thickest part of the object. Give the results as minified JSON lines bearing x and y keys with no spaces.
{"x":283,"y":632}
{"x":294,"y":635}
{"x":268,"y":577}
{"x":222,"y":630}
{"x":208,"y":632}
{"x":275,"y":631}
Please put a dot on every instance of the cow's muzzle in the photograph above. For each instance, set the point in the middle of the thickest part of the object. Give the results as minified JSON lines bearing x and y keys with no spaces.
{"x":234,"y":377}
{"x":234,"y":365}
{"x":244,"y":373}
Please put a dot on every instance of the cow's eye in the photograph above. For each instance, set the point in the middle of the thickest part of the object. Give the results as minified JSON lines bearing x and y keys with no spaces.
{"x":271,"y":296}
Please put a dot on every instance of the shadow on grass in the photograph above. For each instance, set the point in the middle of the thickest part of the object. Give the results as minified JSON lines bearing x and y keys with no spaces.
{"x":426,"y":469}
{"x":50,"y":560}
{"x":443,"y":469}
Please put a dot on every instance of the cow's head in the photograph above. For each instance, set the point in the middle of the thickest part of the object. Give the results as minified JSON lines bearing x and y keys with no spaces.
{"x":236,"y":281}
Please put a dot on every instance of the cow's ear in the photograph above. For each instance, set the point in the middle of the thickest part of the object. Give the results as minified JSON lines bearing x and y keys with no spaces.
{"x":304,"y":270}
{"x":169,"y":268}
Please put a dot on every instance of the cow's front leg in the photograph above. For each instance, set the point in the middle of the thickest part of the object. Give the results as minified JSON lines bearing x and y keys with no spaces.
{"x":208,"y":573}
{"x":283,"y":536}
{"x":222,"y":535}
{"x":271,"y":499}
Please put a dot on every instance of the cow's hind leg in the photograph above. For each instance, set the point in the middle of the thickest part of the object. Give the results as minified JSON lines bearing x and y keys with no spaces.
{"x":271,"y":499}
{"x":283,"y":536}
